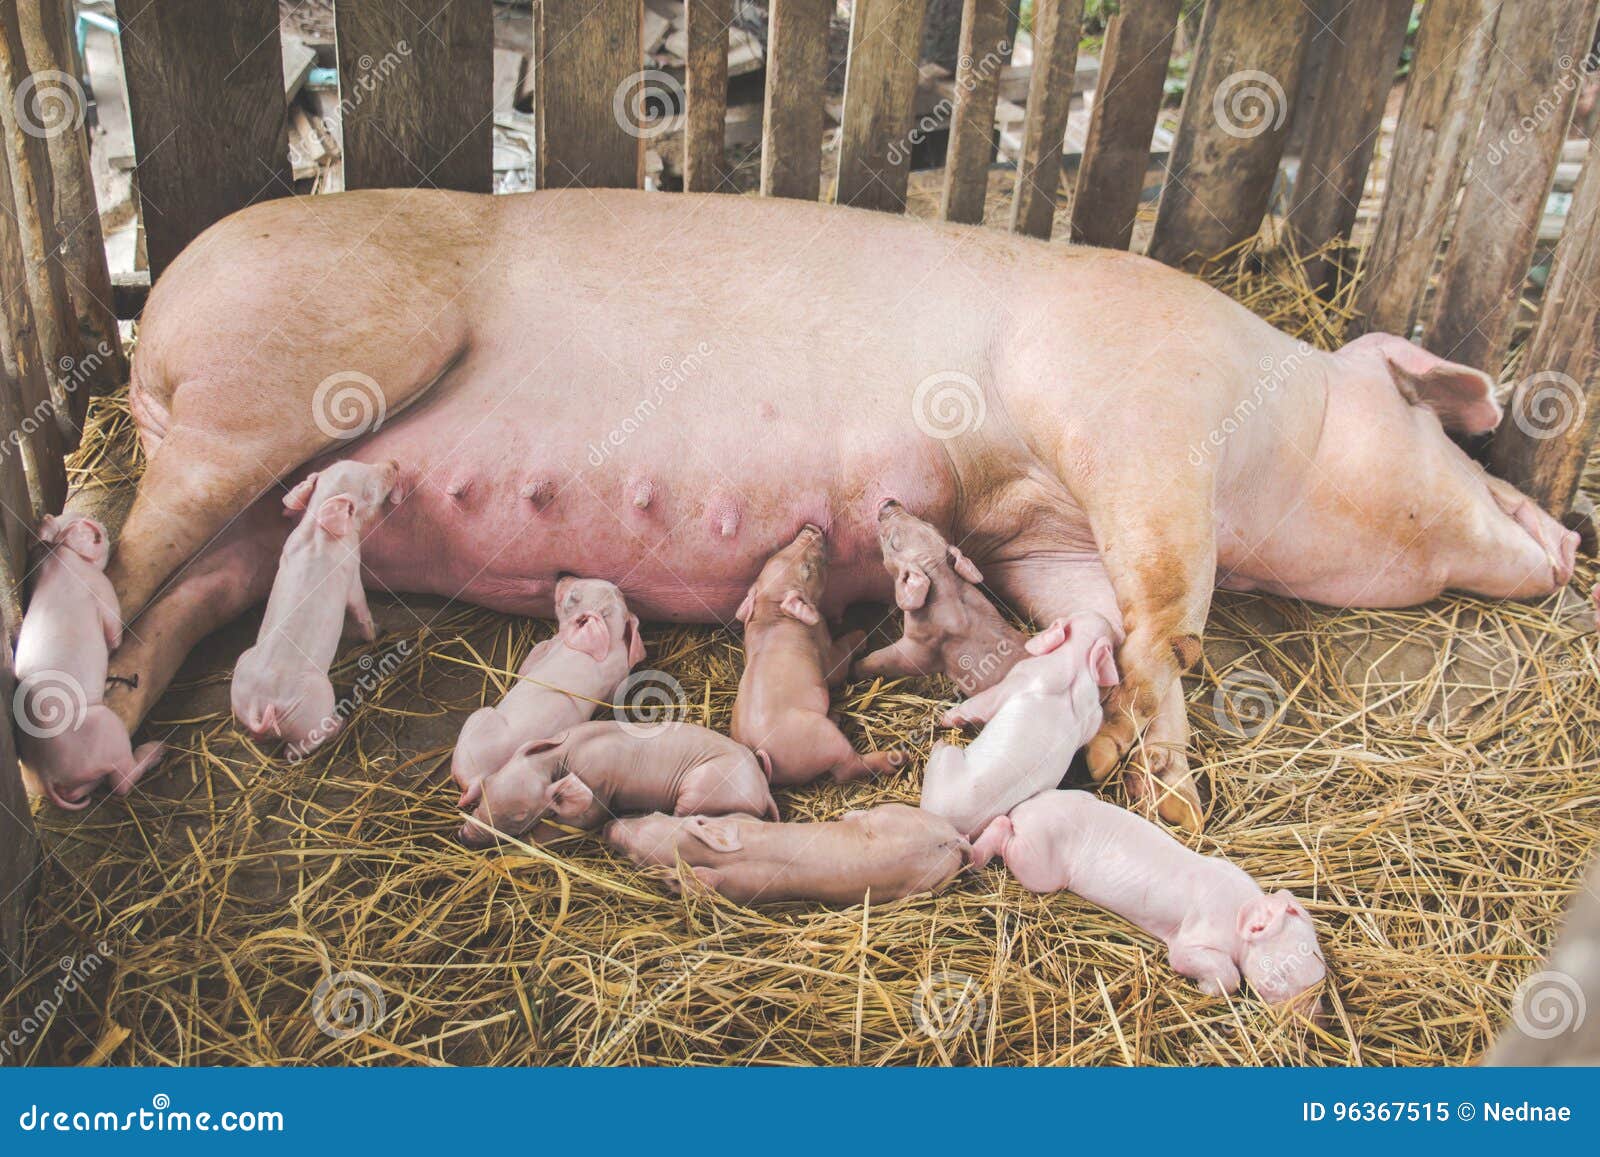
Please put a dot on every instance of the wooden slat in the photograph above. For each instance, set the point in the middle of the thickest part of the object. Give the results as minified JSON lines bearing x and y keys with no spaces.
{"x":589,"y":82}
{"x":791,"y":131}
{"x":1554,"y":411}
{"x":1116,"y":155}
{"x":1056,"y":27}
{"x":705,"y":127}
{"x":1230,"y":137}
{"x":205,"y":94}
{"x":1443,"y":104}
{"x":1539,"y":46}
{"x":417,"y":86}
{"x":880,"y":89}
{"x":48,"y":33}
{"x":981,"y":57}
{"x":19,"y":847}
{"x":29,"y":154}
{"x":1364,"y":44}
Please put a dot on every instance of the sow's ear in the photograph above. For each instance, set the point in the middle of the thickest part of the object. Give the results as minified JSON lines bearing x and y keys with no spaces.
{"x":1462,"y":397}
{"x":720,"y":834}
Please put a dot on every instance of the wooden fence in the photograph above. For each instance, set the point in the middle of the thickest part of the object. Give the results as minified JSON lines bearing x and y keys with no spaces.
{"x":1491,"y":91}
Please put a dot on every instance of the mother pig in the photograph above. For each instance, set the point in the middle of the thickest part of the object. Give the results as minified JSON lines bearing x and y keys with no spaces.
{"x":660,"y":390}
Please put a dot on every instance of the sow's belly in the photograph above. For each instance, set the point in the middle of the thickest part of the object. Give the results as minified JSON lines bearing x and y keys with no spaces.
{"x":676,"y":492}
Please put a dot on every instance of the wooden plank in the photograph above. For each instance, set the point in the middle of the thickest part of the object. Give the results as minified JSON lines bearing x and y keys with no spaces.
{"x":26,"y":122}
{"x":707,"y":73}
{"x":1539,"y":46}
{"x":19,"y":846}
{"x":50,"y":48}
{"x":1353,"y":85}
{"x":880,"y":88}
{"x":590,"y":94}
{"x":1230,"y":137}
{"x":1133,"y":74}
{"x":791,"y":135}
{"x":1056,"y":27}
{"x":1438,"y":121}
{"x":983,"y":50}
{"x":205,"y":94}
{"x":1554,"y":412}
{"x":417,"y":86}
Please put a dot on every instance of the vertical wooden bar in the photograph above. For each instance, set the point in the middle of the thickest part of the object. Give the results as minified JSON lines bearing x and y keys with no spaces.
{"x":19,"y":847}
{"x":49,"y":45}
{"x":1116,"y":155}
{"x":1057,"y":25}
{"x":34,"y":193}
{"x":1543,"y":444}
{"x":417,"y":91}
{"x":205,"y":94}
{"x":1443,"y":106}
{"x":980,"y":59}
{"x":1364,"y":44}
{"x":791,"y":131}
{"x":880,"y":90}
{"x":1230,"y":138}
{"x":705,"y":130}
{"x":589,"y":94}
{"x":1539,"y":45}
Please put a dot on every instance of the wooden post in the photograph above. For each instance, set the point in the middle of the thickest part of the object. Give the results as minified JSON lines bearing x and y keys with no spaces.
{"x":1364,"y":44}
{"x":1539,"y":48}
{"x":1230,"y":138}
{"x":1133,"y":76}
{"x":791,"y":132}
{"x":1057,"y":25}
{"x":590,"y":94}
{"x":1443,"y":105}
{"x":19,"y":846}
{"x":205,"y":94}
{"x":880,"y":90}
{"x":706,"y":127}
{"x":1543,"y":444}
{"x":416,"y":85}
{"x":984,"y":35}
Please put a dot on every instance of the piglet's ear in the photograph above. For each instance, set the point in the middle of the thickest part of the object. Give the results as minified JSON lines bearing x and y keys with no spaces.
{"x":1102,"y":663}
{"x":910,"y":588}
{"x":720,"y":834}
{"x":964,"y":566}
{"x":587,"y":635}
{"x":298,"y":498}
{"x":630,"y":635}
{"x":49,"y":529}
{"x":1261,"y":916}
{"x":1048,"y":639}
{"x":797,"y":606}
{"x":1461,"y":397}
{"x":337,"y":515}
{"x":570,"y":797}
{"x":540,"y":746}
{"x":746,"y":608}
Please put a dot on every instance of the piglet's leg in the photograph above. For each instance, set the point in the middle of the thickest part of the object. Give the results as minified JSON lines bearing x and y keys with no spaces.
{"x":356,"y":605}
{"x":843,"y":651}
{"x":1209,"y":967}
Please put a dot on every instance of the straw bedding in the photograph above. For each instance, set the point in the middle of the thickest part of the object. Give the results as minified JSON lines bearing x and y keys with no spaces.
{"x":1423,"y":779}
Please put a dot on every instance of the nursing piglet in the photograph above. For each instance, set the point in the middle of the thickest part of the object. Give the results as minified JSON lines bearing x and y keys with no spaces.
{"x":280,"y":686}
{"x":65,"y":732}
{"x":560,"y":683}
{"x":883,"y":853}
{"x":595,"y":771}
{"x":1035,"y":719}
{"x":781,"y":711}
{"x":951,"y":627}
{"x":1216,"y":922}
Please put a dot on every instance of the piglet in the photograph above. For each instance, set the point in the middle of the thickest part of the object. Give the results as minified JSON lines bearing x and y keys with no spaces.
{"x":881,"y":854}
{"x":781,"y":710}
{"x":1035,"y":719}
{"x":1216,"y":921}
{"x":280,"y":686}
{"x":594,"y":771}
{"x":951,"y":627}
{"x":65,"y":732}
{"x":560,"y":683}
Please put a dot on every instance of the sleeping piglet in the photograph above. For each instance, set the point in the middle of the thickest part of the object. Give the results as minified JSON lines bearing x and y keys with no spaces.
{"x":951,"y":627}
{"x":560,"y":683}
{"x":280,"y":686}
{"x":1216,"y":921}
{"x":1035,"y":719}
{"x":885,"y":852}
{"x":65,"y":732}
{"x":594,"y":771}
